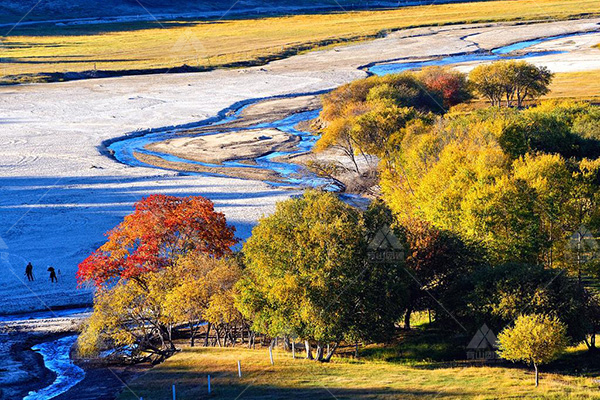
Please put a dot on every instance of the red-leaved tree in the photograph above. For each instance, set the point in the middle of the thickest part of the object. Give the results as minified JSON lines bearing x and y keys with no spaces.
{"x":161,"y":229}
{"x":451,"y":85}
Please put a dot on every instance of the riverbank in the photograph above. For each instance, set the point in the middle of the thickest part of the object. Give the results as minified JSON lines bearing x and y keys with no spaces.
{"x":255,"y":142}
{"x":67,"y":52}
{"x":24,"y":370}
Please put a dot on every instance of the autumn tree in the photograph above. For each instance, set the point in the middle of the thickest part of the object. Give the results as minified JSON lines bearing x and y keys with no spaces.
{"x":523,"y":202}
{"x":534,"y":339}
{"x":130,"y":320}
{"x":435,"y":259}
{"x":510,"y":82}
{"x":360,"y":118}
{"x":203,"y":293}
{"x":161,"y":229}
{"x":137,"y":321}
{"x":451,"y":85}
{"x":307,"y":275}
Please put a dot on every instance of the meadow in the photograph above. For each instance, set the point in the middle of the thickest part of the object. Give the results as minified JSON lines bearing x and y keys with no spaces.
{"x":27,"y":53}
{"x":580,"y":85}
{"x":343,"y":378}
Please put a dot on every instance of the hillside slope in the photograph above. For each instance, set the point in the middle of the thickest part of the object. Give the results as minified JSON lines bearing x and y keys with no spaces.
{"x":14,"y":10}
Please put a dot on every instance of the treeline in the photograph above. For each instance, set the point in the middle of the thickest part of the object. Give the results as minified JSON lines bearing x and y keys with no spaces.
{"x":483,"y":216}
{"x":519,"y":184}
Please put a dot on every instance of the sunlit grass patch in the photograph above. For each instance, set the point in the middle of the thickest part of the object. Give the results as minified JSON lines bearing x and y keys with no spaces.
{"x":208,"y":44}
{"x":583,"y":85}
{"x":342,"y":378}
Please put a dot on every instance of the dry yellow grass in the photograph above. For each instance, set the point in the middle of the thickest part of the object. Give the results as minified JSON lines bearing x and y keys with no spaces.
{"x":341,"y":379}
{"x":208,"y":44}
{"x":582,"y":85}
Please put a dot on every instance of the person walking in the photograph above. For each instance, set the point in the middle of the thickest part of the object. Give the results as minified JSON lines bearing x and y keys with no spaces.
{"x":29,"y":272}
{"x":53,"y":277}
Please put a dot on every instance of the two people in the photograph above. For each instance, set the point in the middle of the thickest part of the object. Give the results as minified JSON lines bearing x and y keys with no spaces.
{"x":29,"y":273}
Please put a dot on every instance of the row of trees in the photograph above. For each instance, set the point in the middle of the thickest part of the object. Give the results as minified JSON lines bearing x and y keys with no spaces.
{"x":519,"y":188}
{"x":308,"y":274}
{"x":364,"y":118}
{"x":487,"y":209}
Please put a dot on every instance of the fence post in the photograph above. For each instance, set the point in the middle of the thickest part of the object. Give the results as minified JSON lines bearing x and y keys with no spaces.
{"x":240,"y":368}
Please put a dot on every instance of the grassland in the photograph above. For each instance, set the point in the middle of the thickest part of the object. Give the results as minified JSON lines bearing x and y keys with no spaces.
{"x":342,"y":379}
{"x":583,"y":85}
{"x":207,"y":44}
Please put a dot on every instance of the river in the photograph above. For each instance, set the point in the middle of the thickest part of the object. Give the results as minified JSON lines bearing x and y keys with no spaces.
{"x":293,"y":174}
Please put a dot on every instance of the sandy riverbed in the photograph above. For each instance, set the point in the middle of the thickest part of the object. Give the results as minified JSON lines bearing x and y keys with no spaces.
{"x":236,"y":143}
{"x":60,"y":193}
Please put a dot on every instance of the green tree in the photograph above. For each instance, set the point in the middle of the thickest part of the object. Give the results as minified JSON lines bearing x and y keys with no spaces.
{"x":534,"y":339}
{"x":307,"y":275}
{"x":504,"y":217}
{"x":499,"y":294}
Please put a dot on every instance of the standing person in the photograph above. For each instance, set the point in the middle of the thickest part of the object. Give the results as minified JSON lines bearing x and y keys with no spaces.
{"x":53,"y":277}
{"x":29,"y":272}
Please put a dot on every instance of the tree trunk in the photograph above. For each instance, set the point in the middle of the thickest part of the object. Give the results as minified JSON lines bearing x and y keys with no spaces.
{"x":331,"y":351}
{"x":537,"y":375}
{"x":407,"y":318}
{"x":309,"y":355}
{"x":218,"y":337}
{"x":319,"y":354}
{"x":192,"y":334}
{"x":207,"y":334}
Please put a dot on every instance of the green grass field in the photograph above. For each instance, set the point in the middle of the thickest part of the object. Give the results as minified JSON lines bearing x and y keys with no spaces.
{"x":32,"y":50}
{"x":344,"y":378}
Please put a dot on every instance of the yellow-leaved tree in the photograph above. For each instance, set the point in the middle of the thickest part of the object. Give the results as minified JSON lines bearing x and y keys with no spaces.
{"x":534,"y":339}
{"x":204,"y":295}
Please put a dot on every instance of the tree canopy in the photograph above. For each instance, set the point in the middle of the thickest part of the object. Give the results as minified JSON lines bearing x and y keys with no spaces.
{"x":534,"y":339}
{"x":160,"y":229}
{"x":510,"y":82}
{"x":307,"y":275}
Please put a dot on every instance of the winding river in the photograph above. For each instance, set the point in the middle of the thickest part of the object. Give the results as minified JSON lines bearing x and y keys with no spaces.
{"x":56,"y":353}
{"x":57,"y":359}
{"x":293,"y":174}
